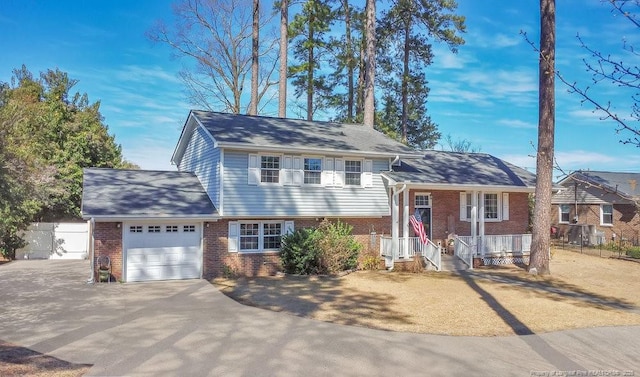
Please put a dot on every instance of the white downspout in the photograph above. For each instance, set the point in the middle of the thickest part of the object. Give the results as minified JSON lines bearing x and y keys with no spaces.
{"x":92,"y":223}
{"x":474,"y":221}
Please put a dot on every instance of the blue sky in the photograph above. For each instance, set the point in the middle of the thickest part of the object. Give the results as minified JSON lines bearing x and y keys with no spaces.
{"x":487,"y":93}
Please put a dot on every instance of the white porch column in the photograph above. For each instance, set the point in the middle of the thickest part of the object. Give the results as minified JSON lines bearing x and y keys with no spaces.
{"x":474,"y":220}
{"x":481,"y":220}
{"x":395,"y":215}
{"x":405,"y":221}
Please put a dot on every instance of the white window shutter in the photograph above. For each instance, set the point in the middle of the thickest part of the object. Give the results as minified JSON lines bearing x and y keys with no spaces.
{"x":367,"y":174}
{"x":287,"y":173}
{"x":254,"y":169}
{"x":327,"y":172}
{"x":298,"y":172}
{"x":233,"y":239}
{"x":463,"y":206}
{"x":288,"y":227}
{"x":339,"y":172}
{"x":505,"y":206}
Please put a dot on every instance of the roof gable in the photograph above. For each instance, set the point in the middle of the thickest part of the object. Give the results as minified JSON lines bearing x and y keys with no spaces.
{"x":143,"y":193}
{"x":463,"y":169}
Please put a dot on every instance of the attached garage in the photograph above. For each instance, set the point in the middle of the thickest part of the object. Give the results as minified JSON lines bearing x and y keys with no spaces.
{"x":148,"y":223}
{"x":162,"y":251}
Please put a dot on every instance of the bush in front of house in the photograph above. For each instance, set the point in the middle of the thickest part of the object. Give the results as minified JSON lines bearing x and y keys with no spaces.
{"x":338,"y":248}
{"x":329,"y":248}
{"x":299,"y":252}
{"x":634,"y":252}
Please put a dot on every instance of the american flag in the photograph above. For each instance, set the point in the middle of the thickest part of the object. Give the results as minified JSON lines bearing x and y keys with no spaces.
{"x":418,"y":226}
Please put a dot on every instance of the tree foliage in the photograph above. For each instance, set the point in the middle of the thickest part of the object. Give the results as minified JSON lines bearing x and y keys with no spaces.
{"x":404,"y":51}
{"x":308,"y":32}
{"x":47,"y":136}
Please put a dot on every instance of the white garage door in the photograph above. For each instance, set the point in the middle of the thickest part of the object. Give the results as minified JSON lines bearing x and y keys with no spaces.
{"x":162,"y":251}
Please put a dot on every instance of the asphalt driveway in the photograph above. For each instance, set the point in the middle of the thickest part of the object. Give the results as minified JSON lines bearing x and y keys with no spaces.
{"x":188,"y":328}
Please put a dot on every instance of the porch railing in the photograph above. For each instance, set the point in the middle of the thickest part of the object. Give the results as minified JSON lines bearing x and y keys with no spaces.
{"x":428,"y":251}
{"x":463,"y":249}
{"x":489,"y":245}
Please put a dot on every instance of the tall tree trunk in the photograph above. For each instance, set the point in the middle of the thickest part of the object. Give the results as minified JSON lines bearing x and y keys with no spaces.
{"x":405,"y":80}
{"x":284,"y":41}
{"x":255,"y":55}
{"x":350,"y":62}
{"x":541,"y":242}
{"x":360,"y":83}
{"x":369,"y":79}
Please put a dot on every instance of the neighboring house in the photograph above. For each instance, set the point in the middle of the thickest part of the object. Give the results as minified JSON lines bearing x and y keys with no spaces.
{"x":595,"y":207}
{"x":244,"y":181}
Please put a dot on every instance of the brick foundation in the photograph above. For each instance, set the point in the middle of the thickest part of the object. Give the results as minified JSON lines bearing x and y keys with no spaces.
{"x":218,"y":260}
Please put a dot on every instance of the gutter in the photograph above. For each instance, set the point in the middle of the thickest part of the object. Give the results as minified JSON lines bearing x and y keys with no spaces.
{"x":92,"y":224}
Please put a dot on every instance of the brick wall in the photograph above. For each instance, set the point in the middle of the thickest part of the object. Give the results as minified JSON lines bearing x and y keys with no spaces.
{"x":108,"y":241}
{"x":217,"y":260}
{"x":626,"y":221}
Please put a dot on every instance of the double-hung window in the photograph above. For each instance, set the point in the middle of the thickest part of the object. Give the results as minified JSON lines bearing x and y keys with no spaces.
{"x":564,"y":213}
{"x":352,"y":172}
{"x":249,"y":236}
{"x":606,"y":214}
{"x":496,"y":206}
{"x":312,"y":171}
{"x":260,"y":236}
{"x":269,"y":169}
{"x":491,"y":206}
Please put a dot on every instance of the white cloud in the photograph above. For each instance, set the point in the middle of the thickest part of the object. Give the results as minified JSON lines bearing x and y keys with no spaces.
{"x":517,"y":123}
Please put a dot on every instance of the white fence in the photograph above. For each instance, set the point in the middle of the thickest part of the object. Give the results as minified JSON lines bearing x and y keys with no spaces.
{"x":464,"y":251}
{"x":55,"y":241}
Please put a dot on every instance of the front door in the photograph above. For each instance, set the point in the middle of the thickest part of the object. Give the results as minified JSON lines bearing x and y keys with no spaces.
{"x":422,"y":203}
{"x":425,"y":213}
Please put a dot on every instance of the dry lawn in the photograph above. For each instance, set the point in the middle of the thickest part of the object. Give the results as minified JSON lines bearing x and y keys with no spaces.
{"x":20,"y":361}
{"x":583,"y":291}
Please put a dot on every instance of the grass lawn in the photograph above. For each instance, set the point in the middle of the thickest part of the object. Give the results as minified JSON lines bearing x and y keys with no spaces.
{"x":583,"y":291}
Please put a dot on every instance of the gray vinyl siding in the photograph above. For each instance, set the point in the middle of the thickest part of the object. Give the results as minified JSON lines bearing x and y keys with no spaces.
{"x":201,"y":158}
{"x":271,"y":200}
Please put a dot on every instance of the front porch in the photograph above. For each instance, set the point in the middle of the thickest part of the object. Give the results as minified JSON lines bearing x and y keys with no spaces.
{"x":486,"y":250}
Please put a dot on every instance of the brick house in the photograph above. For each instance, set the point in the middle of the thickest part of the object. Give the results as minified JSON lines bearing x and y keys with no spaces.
{"x":244,"y":181}
{"x":597,"y":207}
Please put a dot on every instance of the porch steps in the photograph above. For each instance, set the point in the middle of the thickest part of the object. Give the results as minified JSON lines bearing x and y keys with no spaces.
{"x":452,"y":263}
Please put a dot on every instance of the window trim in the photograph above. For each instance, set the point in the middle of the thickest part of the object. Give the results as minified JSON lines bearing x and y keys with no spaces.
{"x":345,"y":172}
{"x":416,"y":205}
{"x":560,"y":212}
{"x":481,"y":200}
{"x":261,"y":236}
{"x":602,"y":213}
{"x":279,"y":169}
{"x":304,"y":171}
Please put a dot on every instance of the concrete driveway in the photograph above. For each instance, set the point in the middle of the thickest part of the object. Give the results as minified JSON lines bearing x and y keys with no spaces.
{"x":188,"y":328}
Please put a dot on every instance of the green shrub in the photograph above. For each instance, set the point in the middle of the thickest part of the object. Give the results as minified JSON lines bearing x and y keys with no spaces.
{"x":634,"y":252}
{"x":338,"y":248}
{"x":299,"y":252}
{"x":330,"y":248}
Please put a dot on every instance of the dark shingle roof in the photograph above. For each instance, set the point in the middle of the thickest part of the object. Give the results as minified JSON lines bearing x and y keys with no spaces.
{"x":294,"y":133}
{"x":143,"y":193}
{"x":626,"y":184}
{"x":462,"y":169}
